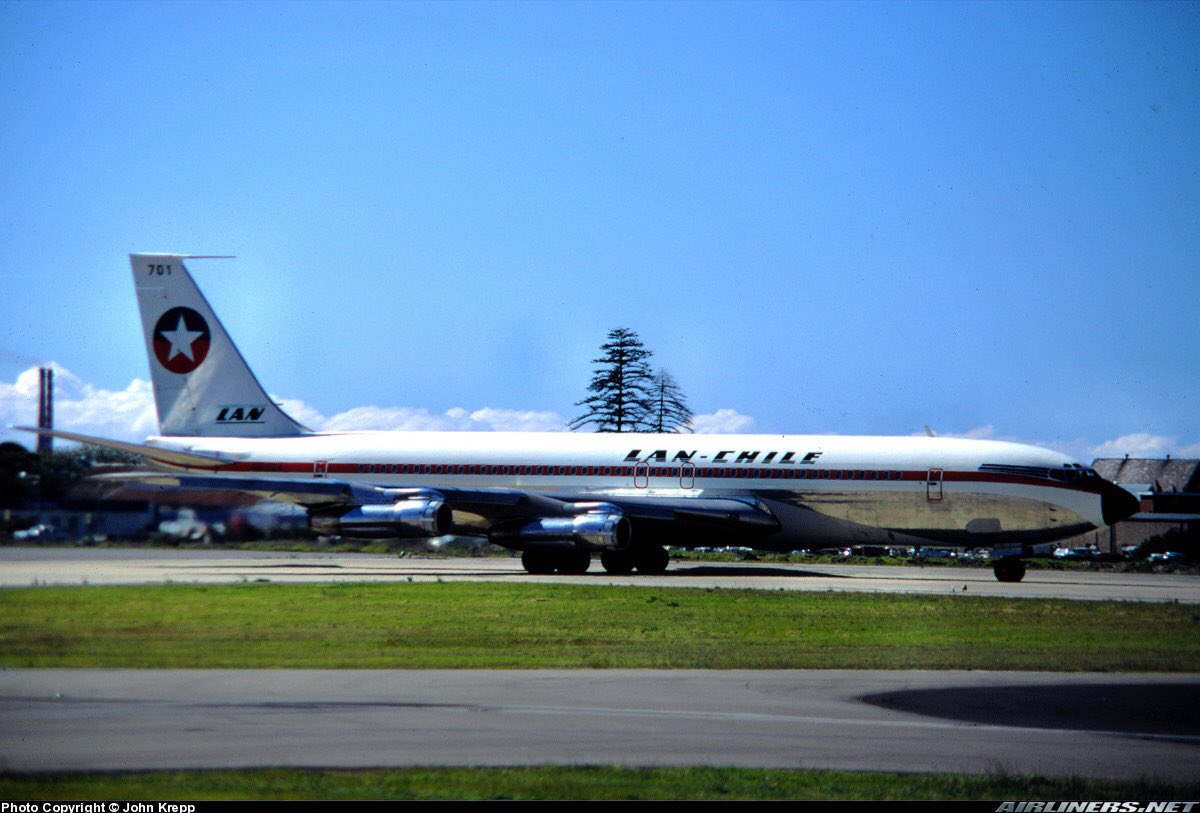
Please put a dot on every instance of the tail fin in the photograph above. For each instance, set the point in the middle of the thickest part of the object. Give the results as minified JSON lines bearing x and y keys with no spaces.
{"x":202,"y":385}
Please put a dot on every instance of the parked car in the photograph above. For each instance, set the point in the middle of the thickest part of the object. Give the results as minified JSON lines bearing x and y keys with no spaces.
{"x":935,"y":553}
{"x":41,"y":533}
{"x":1079,"y":554}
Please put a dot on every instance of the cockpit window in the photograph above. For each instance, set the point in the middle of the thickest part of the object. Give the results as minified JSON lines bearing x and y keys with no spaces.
{"x":1069,"y":473}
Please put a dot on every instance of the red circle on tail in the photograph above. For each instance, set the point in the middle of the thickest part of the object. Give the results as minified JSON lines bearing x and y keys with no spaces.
{"x":181,"y":340}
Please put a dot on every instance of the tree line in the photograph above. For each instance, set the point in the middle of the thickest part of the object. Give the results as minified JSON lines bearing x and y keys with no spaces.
{"x":26,"y":475}
{"x":627,"y":395}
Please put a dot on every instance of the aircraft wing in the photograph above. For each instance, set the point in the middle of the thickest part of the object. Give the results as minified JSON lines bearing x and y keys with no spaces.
{"x":481,"y":510}
{"x":328,"y":493}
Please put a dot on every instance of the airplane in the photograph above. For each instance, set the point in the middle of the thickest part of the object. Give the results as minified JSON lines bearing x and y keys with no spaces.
{"x":560,"y":497}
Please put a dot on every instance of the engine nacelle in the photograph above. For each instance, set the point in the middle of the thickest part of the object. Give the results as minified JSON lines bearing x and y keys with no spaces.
{"x":406,"y":519}
{"x":583,"y":532}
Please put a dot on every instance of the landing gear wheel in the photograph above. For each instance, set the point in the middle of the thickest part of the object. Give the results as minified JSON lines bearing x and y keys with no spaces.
{"x":1009,"y":569}
{"x":652,"y":561}
{"x":574,"y":563}
{"x":618,"y":562}
{"x":538,"y":562}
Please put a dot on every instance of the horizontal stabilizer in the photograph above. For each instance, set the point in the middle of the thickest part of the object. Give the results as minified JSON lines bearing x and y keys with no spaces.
{"x":175,"y":457}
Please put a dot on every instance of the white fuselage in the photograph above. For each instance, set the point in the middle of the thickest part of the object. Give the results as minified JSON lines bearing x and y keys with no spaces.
{"x":822,"y":488}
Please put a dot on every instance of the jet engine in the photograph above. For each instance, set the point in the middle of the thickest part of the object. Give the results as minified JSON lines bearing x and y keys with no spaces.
{"x":404,"y":519}
{"x":602,"y":528}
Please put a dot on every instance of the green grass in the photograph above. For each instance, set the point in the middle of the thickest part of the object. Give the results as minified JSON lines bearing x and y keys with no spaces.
{"x":521,"y":626}
{"x":572,"y":783}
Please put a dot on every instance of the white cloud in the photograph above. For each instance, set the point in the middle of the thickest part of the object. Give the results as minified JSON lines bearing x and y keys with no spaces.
{"x":301,"y":412}
{"x":408,"y":419}
{"x":126,"y":414}
{"x":1135,"y":444}
{"x":401,"y":419}
{"x":516,"y":420}
{"x":1190,"y":451}
{"x":486,"y":419}
{"x":1141,"y":444}
{"x":980,"y":433}
{"x":987,"y":432}
{"x":723,"y":421}
{"x":129,"y":414}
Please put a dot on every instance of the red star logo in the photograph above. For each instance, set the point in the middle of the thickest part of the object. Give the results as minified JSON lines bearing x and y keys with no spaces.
{"x":181,"y":340}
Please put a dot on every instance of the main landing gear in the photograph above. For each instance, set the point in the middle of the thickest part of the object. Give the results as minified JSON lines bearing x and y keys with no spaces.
{"x":569,"y":562}
{"x":651,"y":561}
{"x":1009,"y":569}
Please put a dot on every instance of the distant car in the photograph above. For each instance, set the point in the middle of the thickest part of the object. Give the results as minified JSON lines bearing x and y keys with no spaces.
{"x":1165,"y":558}
{"x":41,"y":533}
{"x":1077,"y":554}
{"x":935,"y":553}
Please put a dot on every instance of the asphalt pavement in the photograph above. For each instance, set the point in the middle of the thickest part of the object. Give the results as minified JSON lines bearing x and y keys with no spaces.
{"x":1104,"y":726}
{"x":22,"y":567}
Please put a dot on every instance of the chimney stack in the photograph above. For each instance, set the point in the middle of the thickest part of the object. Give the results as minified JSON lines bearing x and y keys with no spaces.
{"x":45,"y":408}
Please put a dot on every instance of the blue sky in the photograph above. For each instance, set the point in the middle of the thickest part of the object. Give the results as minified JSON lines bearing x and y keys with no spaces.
{"x":822,"y":217}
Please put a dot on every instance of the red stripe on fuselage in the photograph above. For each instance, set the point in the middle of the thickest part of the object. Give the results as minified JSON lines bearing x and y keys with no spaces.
{"x":624,"y":473}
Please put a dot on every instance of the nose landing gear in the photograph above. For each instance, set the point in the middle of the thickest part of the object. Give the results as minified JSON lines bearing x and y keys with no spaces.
{"x":1009,"y":569}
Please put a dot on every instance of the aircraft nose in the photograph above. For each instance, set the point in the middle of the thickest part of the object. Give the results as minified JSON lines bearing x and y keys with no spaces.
{"x":1117,"y":504}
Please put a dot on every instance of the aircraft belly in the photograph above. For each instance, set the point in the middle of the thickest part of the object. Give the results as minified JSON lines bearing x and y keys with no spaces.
{"x":877,"y":516}
{"x":968,"y":518}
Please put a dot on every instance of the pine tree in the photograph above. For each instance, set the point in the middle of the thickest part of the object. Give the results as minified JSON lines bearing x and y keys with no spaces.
{"x":621,"y":387}
{"x":671,"y":412}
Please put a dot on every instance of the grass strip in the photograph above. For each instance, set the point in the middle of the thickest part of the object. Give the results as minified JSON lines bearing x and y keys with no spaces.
{"x":582,"y":783}
{"x":524,"y":626}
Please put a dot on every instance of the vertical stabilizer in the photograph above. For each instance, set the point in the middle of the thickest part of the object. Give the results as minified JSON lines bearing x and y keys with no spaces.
{"x":202,"y":385}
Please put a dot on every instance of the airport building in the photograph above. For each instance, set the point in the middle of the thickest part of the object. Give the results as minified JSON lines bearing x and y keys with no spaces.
{"x":1168,"y":490}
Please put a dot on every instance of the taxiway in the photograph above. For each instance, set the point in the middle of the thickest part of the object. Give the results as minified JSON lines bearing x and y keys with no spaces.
{"x":23,"y":567}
